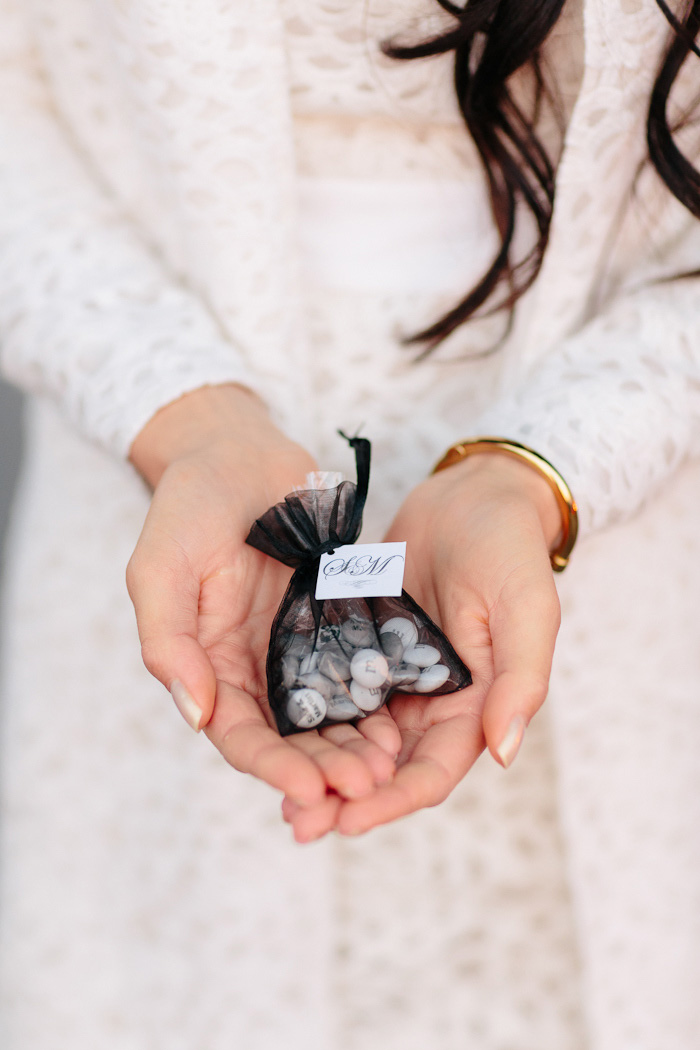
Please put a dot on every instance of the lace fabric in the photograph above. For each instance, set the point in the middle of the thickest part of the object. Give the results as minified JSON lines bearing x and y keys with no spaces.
{"x":178,"y":210}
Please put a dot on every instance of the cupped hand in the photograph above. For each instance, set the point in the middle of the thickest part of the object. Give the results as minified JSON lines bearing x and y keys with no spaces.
{"x":478,"y":539}
{"x":205,"y":600}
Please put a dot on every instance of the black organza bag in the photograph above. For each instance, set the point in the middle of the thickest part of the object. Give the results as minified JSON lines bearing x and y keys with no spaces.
{"x":337,"y":660}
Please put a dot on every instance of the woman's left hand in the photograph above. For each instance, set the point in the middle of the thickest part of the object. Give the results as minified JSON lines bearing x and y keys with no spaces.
{"x":478,"y":539}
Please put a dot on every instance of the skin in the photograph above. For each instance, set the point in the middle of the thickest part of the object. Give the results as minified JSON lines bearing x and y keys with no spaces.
{"x":478,"y":538}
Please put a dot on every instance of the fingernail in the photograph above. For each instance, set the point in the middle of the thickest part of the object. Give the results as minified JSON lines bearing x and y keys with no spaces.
{"x":306,"y":840}
{"x":185,"y":704}
{"x":509,"y":746}
{"x":356,"y":793}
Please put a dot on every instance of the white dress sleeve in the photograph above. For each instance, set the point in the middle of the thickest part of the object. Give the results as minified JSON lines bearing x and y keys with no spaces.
{"x":88,"y":314}
{"x":616,"y":406}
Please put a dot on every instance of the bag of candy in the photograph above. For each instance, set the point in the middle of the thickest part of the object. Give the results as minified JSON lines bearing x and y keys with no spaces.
{"x":338,"y":659}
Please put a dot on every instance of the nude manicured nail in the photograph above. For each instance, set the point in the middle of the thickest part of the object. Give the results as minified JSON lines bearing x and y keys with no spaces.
{"x":186,"y":705}
{"x":510,"y":745}
{"x":355,"y":793}
{"x":306,"y":840}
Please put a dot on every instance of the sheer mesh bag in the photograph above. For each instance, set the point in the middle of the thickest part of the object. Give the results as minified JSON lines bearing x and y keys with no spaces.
{"x":339,"y":659}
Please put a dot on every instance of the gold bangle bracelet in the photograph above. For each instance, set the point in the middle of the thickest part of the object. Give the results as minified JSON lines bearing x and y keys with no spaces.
{"x":565,"y":500}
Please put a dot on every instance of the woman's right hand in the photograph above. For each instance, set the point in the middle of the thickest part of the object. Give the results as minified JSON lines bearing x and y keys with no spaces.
{"x":205,"y":600}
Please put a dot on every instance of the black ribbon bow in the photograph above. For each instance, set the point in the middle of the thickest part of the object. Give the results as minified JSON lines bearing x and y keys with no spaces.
{"x":314,"y":522}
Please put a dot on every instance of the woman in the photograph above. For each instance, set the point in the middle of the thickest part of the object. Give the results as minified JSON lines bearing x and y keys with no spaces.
{"x":216,"y":214}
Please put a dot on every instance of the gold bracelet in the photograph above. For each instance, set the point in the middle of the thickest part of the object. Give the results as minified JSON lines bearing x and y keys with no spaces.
{"x":565,"y":500}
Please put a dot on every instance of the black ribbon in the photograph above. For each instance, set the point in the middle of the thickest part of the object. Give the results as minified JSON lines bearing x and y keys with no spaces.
{"x":308,"y":524}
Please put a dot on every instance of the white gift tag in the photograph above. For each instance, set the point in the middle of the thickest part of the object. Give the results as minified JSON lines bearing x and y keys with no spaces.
{"x":362,"y":570}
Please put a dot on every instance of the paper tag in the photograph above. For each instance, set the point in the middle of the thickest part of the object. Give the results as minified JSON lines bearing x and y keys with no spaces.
{"x":362,"y":570}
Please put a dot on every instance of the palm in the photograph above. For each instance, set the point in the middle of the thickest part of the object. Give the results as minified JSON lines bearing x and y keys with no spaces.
{"x":461,"y":611}
{"x":441,"y":736}
{"x":205,"y":601}
{"x":237,"y":605}
{"x":239,"y":592}
{"x":477,"y":563}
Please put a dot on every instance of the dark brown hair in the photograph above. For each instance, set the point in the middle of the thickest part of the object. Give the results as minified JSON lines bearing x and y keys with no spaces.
{"x":492,"y":40}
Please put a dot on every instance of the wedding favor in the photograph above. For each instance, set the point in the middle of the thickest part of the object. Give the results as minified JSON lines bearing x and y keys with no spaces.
{"x":346,"y":637}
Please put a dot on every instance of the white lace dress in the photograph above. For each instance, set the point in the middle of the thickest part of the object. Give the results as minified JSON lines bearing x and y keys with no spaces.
{"x":197,"y":193}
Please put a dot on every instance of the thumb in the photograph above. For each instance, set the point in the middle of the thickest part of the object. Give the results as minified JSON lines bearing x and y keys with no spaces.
{"x":524,"y":628}
{"x":165,"y":594}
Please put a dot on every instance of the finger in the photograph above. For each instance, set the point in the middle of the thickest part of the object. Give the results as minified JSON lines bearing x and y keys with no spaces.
{"x":343,"y":771}
{"x":165,"y":595}
{"x":289,"y":809}
{"x":439,"y":761}
{"x":524,"y":628}
{"x":240,"y":732}
{"x":380,"y":764}
{"x":382,"y":730}
{"x":312,"y":823}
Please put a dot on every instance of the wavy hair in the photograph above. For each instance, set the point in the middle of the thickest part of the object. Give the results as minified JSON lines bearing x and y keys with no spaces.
{"x":491,"y":40}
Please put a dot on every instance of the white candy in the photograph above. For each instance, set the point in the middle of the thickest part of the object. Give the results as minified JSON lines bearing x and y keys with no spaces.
{"x":369,"y":668}
{"x":431,"y":678}
{"x":309,"y":663}
{"x":366,"y":699}
{"x":328,"y":633}
{"x":392,"y":645}
{"x":357,"y":632}
{"x":335,"y":665}
{"x":404,"y":675}
{"x":342,"y":709}
{"x":405,"y":628}
{"x":306,"y":708}
{"x":290,"y":670}
{"x":422,"y":655}
{"x":296,"y":645}
{"x":319,"y":682}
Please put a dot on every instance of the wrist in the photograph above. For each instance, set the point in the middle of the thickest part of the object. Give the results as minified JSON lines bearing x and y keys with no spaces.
{"x":514,"y":477}
{"x":560,"y":551}
{"x":205,"y":418}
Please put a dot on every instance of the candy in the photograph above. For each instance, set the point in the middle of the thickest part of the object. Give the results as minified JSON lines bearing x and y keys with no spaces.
{"x":334,"y":665}
{"x":357,"y":632}
{"x":342,"y":709}
{"x":290,"y":670}
{"x":405,"y":628}
{"x":306,"y":708}
{"x":346,"y":676}
{"x":366,"y":699}
{"x":319,"y":682}
{"x":392,"y":645}
{"x":404,"y":675}
{"x":431,"y":678}
{"x":309,"y":663}
{"x":330,"y":632}
{"x":295,"y":645}
{"x":422,"y":655}
{"x":369,"y":668}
